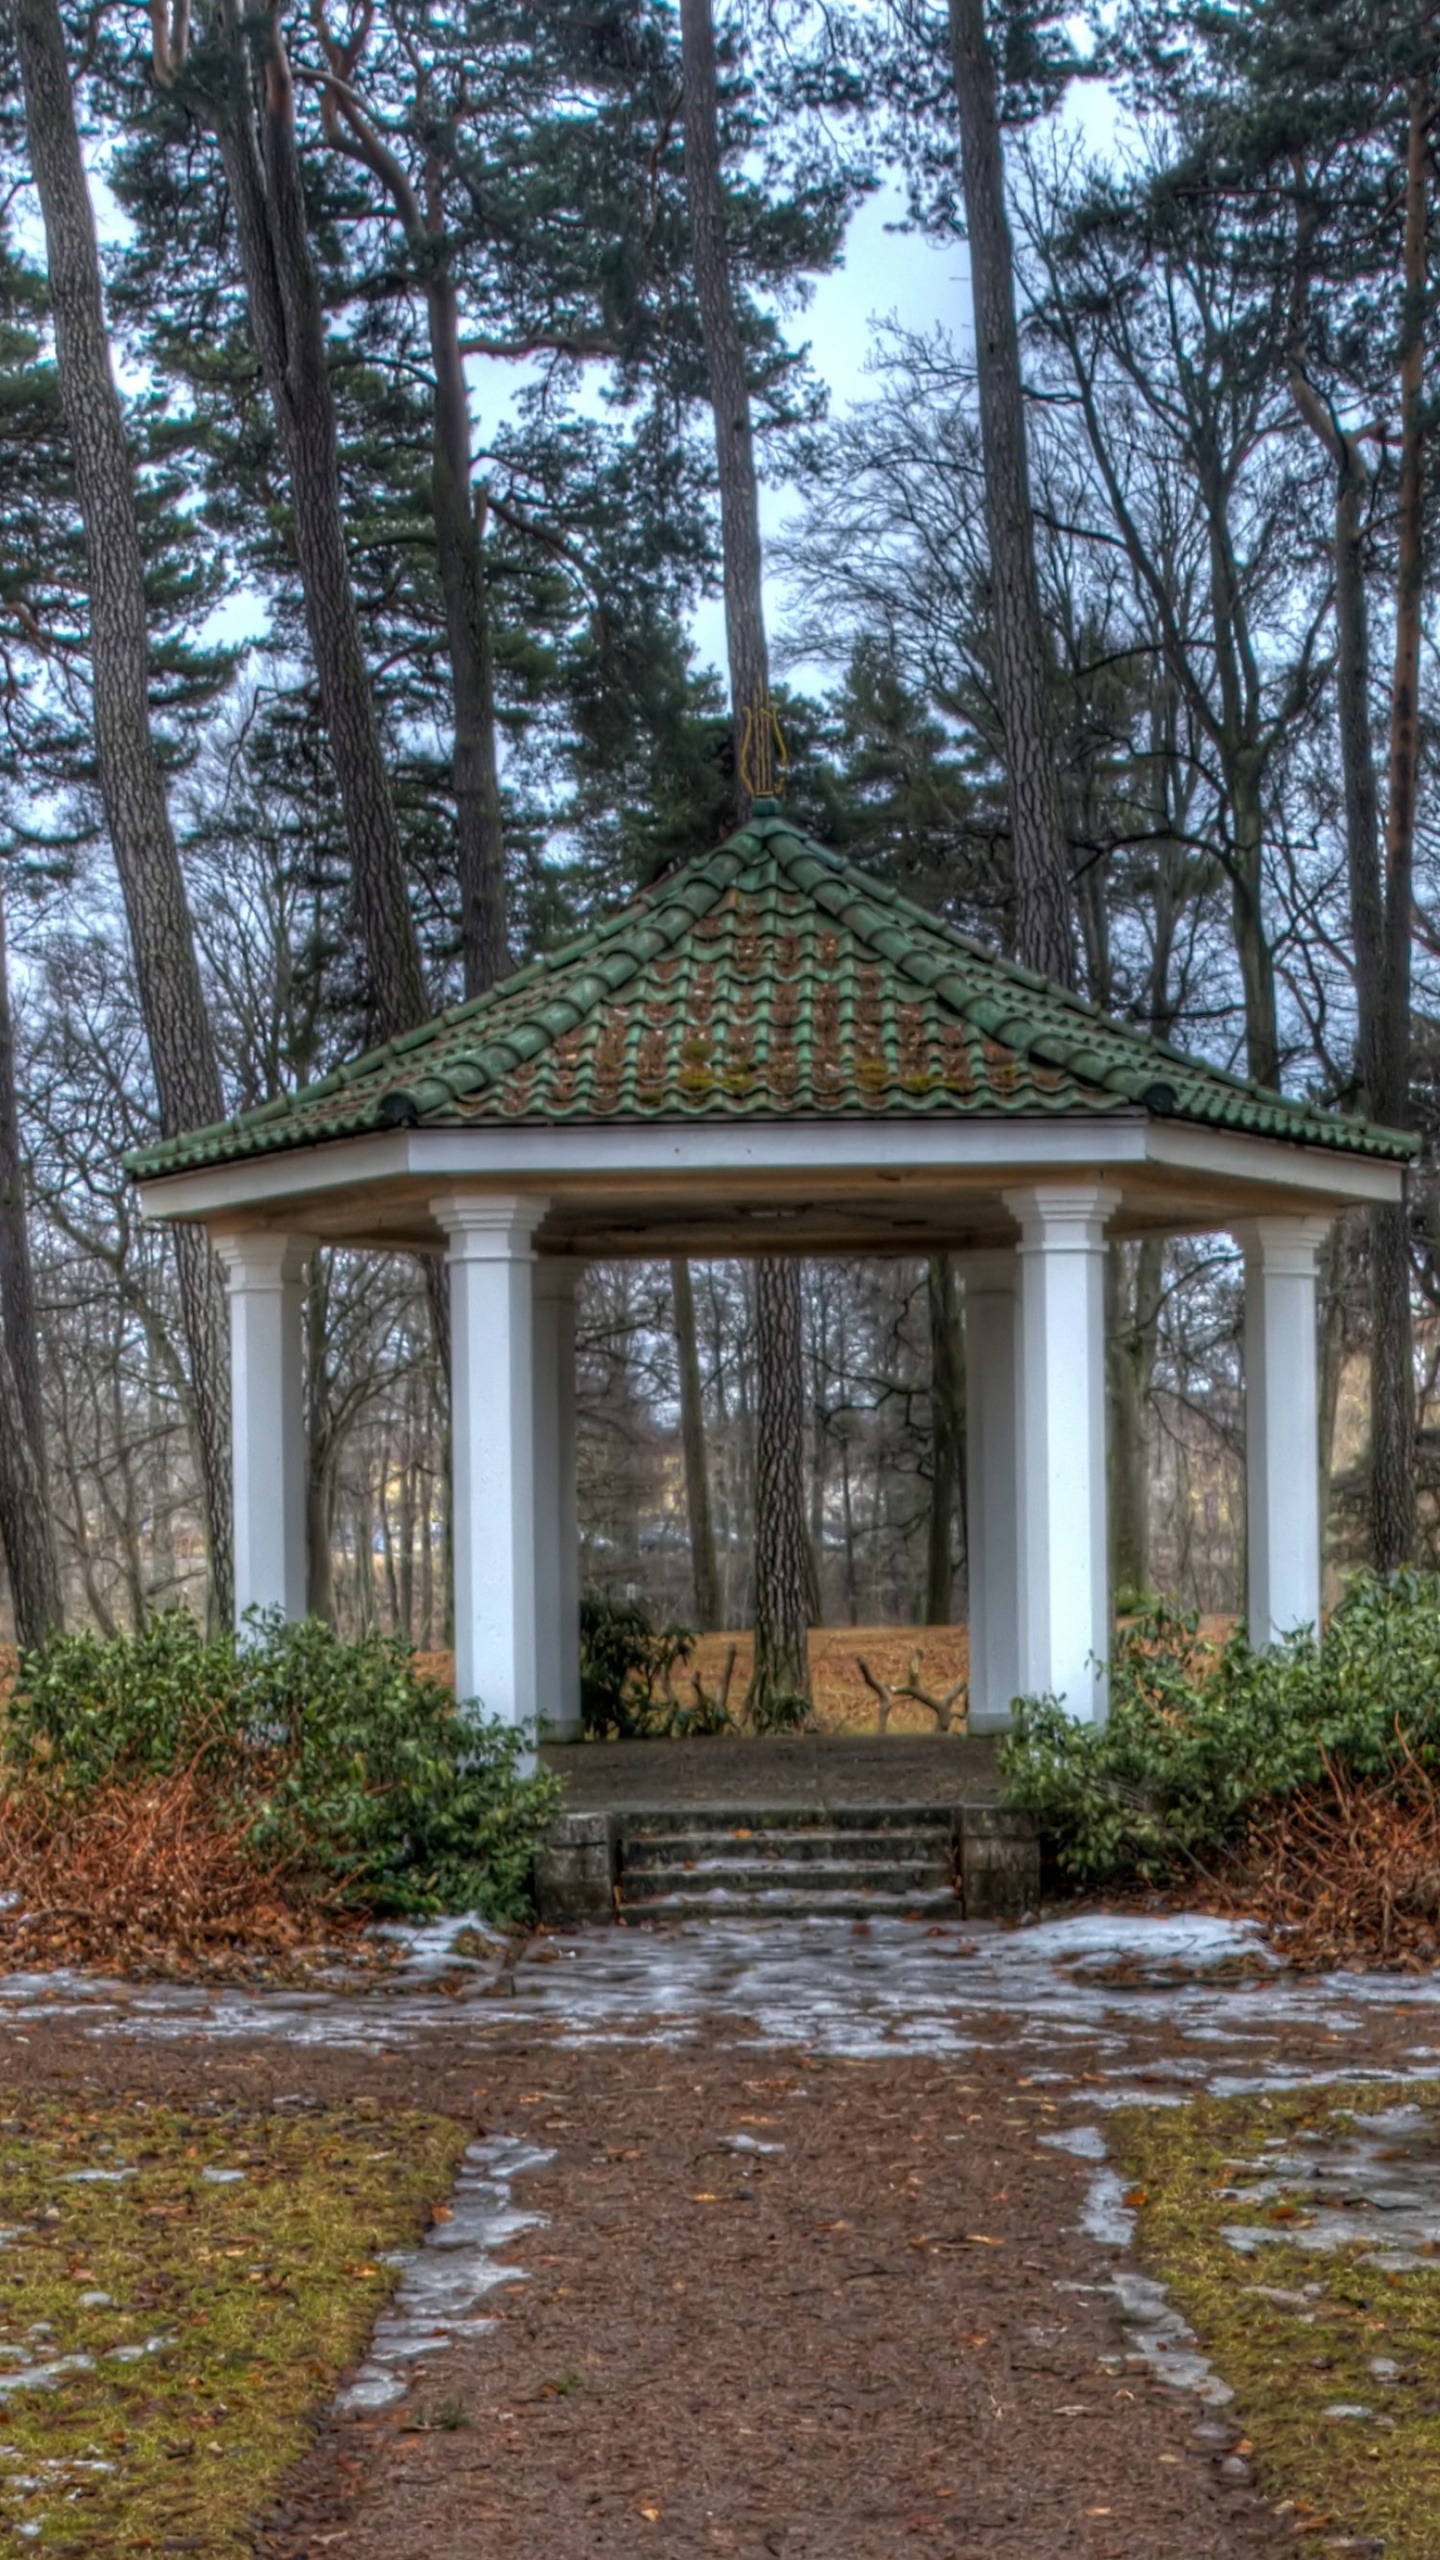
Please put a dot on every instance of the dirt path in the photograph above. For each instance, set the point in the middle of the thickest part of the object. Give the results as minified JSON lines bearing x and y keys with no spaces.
{"x":890,"y":2331}
{"x":859,"y":2342}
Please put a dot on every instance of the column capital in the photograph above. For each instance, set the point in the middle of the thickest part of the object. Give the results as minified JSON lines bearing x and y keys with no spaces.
{"x":262,"y":1257}
{"x":993,"y":1272}
{"x":488,"y":1226}
{"x":1063,"y":1216}
{"x":1282,"y":1244}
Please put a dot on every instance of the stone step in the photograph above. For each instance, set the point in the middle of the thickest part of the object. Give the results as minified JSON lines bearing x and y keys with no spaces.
{"x":899,"y":1844}
{"x":783,"y":1875}
{"x":776,"y":1903}
{"x":661,"y":1822}
{"x":894,"y":1861}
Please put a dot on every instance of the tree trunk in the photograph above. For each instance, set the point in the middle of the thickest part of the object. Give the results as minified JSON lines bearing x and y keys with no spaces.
{"x":692,"y":1434}
{"x":1043,"y":935}
{"x":26,"y":1527}
{"x":17,"y":1278}
{"x":1392,"y":1357}
{"x":25,"y":1530}
{"x":1247,"y":923}
{"x":784,"y":1569}
{"x":1132,"y":1316}
{"x":947,"y":1435}
{"x":257,"y":142}
{"x":1380,"y":920}
{"x":729,"y":381}
{"x":459,"y":536}
{"x":1334,"y":1265}
{"x":177,"y":1029}
{"x":459,"y":529}
{"x":320,"y":1453}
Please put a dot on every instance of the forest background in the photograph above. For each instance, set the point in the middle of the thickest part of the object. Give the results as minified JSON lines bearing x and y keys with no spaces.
{"x":357,"y":654}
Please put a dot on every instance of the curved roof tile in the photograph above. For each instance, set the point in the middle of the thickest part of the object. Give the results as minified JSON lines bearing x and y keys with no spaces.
{"x":765,"y":979}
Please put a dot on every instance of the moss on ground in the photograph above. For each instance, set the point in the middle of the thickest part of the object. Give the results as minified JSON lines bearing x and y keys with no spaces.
{"x":199,"y":2319}
{"x":1374,"y":2477}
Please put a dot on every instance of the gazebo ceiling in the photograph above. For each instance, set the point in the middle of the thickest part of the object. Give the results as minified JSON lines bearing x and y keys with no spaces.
{"x":767,"y":1047}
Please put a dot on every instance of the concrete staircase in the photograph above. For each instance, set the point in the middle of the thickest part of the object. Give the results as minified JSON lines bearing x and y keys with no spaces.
{"x":713,"y":1860}
{"x":800,"y":1862}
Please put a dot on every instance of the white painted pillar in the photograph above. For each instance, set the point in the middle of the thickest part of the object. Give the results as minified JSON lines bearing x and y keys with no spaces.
{"x":992,"y":1513}
{"x":1282,"y":1425}
{"x":1064,"y":1558}
{"x":492,"y":1447}
{"x":267,"y":1417}
{"x":557,"y":1528}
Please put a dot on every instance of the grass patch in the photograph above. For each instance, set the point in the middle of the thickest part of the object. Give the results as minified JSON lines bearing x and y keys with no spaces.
{"x":197,"y":2320}
{"x":1288,"y":2363}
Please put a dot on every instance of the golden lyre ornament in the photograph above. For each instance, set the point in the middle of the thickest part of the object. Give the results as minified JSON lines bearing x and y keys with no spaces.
{"x":764,"y":758}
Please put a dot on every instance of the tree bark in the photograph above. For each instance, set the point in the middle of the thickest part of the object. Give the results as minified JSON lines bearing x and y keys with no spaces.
{"x":17,"y":1277}
{"x":1131,"y":1333}
{"x":784,"y":1567}
{"x":459,"y":527}
{"x":182,"y":1055}
{"x":479,"y":817}
{"x":1380,"y":899}
{"x":25,"y":1526}
{"x":728,"y":378}
{"x":704,"y":1574}
{"x":257,"y":143}
{"x":1044,"y":936}
{"x":1392,"y":1358}
{"x":27,"y":1529}
{"x":947,"y":1436}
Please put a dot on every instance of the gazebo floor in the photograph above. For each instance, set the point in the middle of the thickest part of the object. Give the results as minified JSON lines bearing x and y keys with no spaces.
{"x":777,"y":1773}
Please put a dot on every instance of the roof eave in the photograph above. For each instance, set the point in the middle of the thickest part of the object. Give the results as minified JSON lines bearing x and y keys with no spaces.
{"x":1008,"y":1147}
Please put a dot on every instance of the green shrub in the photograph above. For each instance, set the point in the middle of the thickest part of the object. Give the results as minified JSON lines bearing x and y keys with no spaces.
{"x":623,"y":1655}
{"x":1198,"y":1739}
{"x":345,"y":1765}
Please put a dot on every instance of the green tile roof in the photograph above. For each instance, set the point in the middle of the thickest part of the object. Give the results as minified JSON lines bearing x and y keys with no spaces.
{"x":764,"y":980}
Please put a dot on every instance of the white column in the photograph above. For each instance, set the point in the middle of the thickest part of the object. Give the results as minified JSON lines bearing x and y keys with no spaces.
{"x":267,"y":1417}
{"x":492,"y":1447}
{"x":992,"y":1514}
{"x":1282,"y":1425}
{"x":1064,"y":1560}
{"x":557,"y":1529}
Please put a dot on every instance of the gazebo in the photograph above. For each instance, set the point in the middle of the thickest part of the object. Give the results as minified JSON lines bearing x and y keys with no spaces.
{"x":768,"y":1051}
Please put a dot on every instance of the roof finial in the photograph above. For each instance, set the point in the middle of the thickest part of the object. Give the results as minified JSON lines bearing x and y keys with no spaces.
{"x":764,"y":757}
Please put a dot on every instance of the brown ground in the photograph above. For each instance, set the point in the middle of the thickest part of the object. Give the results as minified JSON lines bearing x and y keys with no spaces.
{"x":858,"y":2346}
{"x":843,"y":1703}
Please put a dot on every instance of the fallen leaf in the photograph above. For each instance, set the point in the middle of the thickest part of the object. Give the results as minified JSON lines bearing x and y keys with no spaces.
{"x":651,"y":2514}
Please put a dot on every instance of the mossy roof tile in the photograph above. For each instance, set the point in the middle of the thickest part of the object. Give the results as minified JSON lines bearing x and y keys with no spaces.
{"x":765,"y":979}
